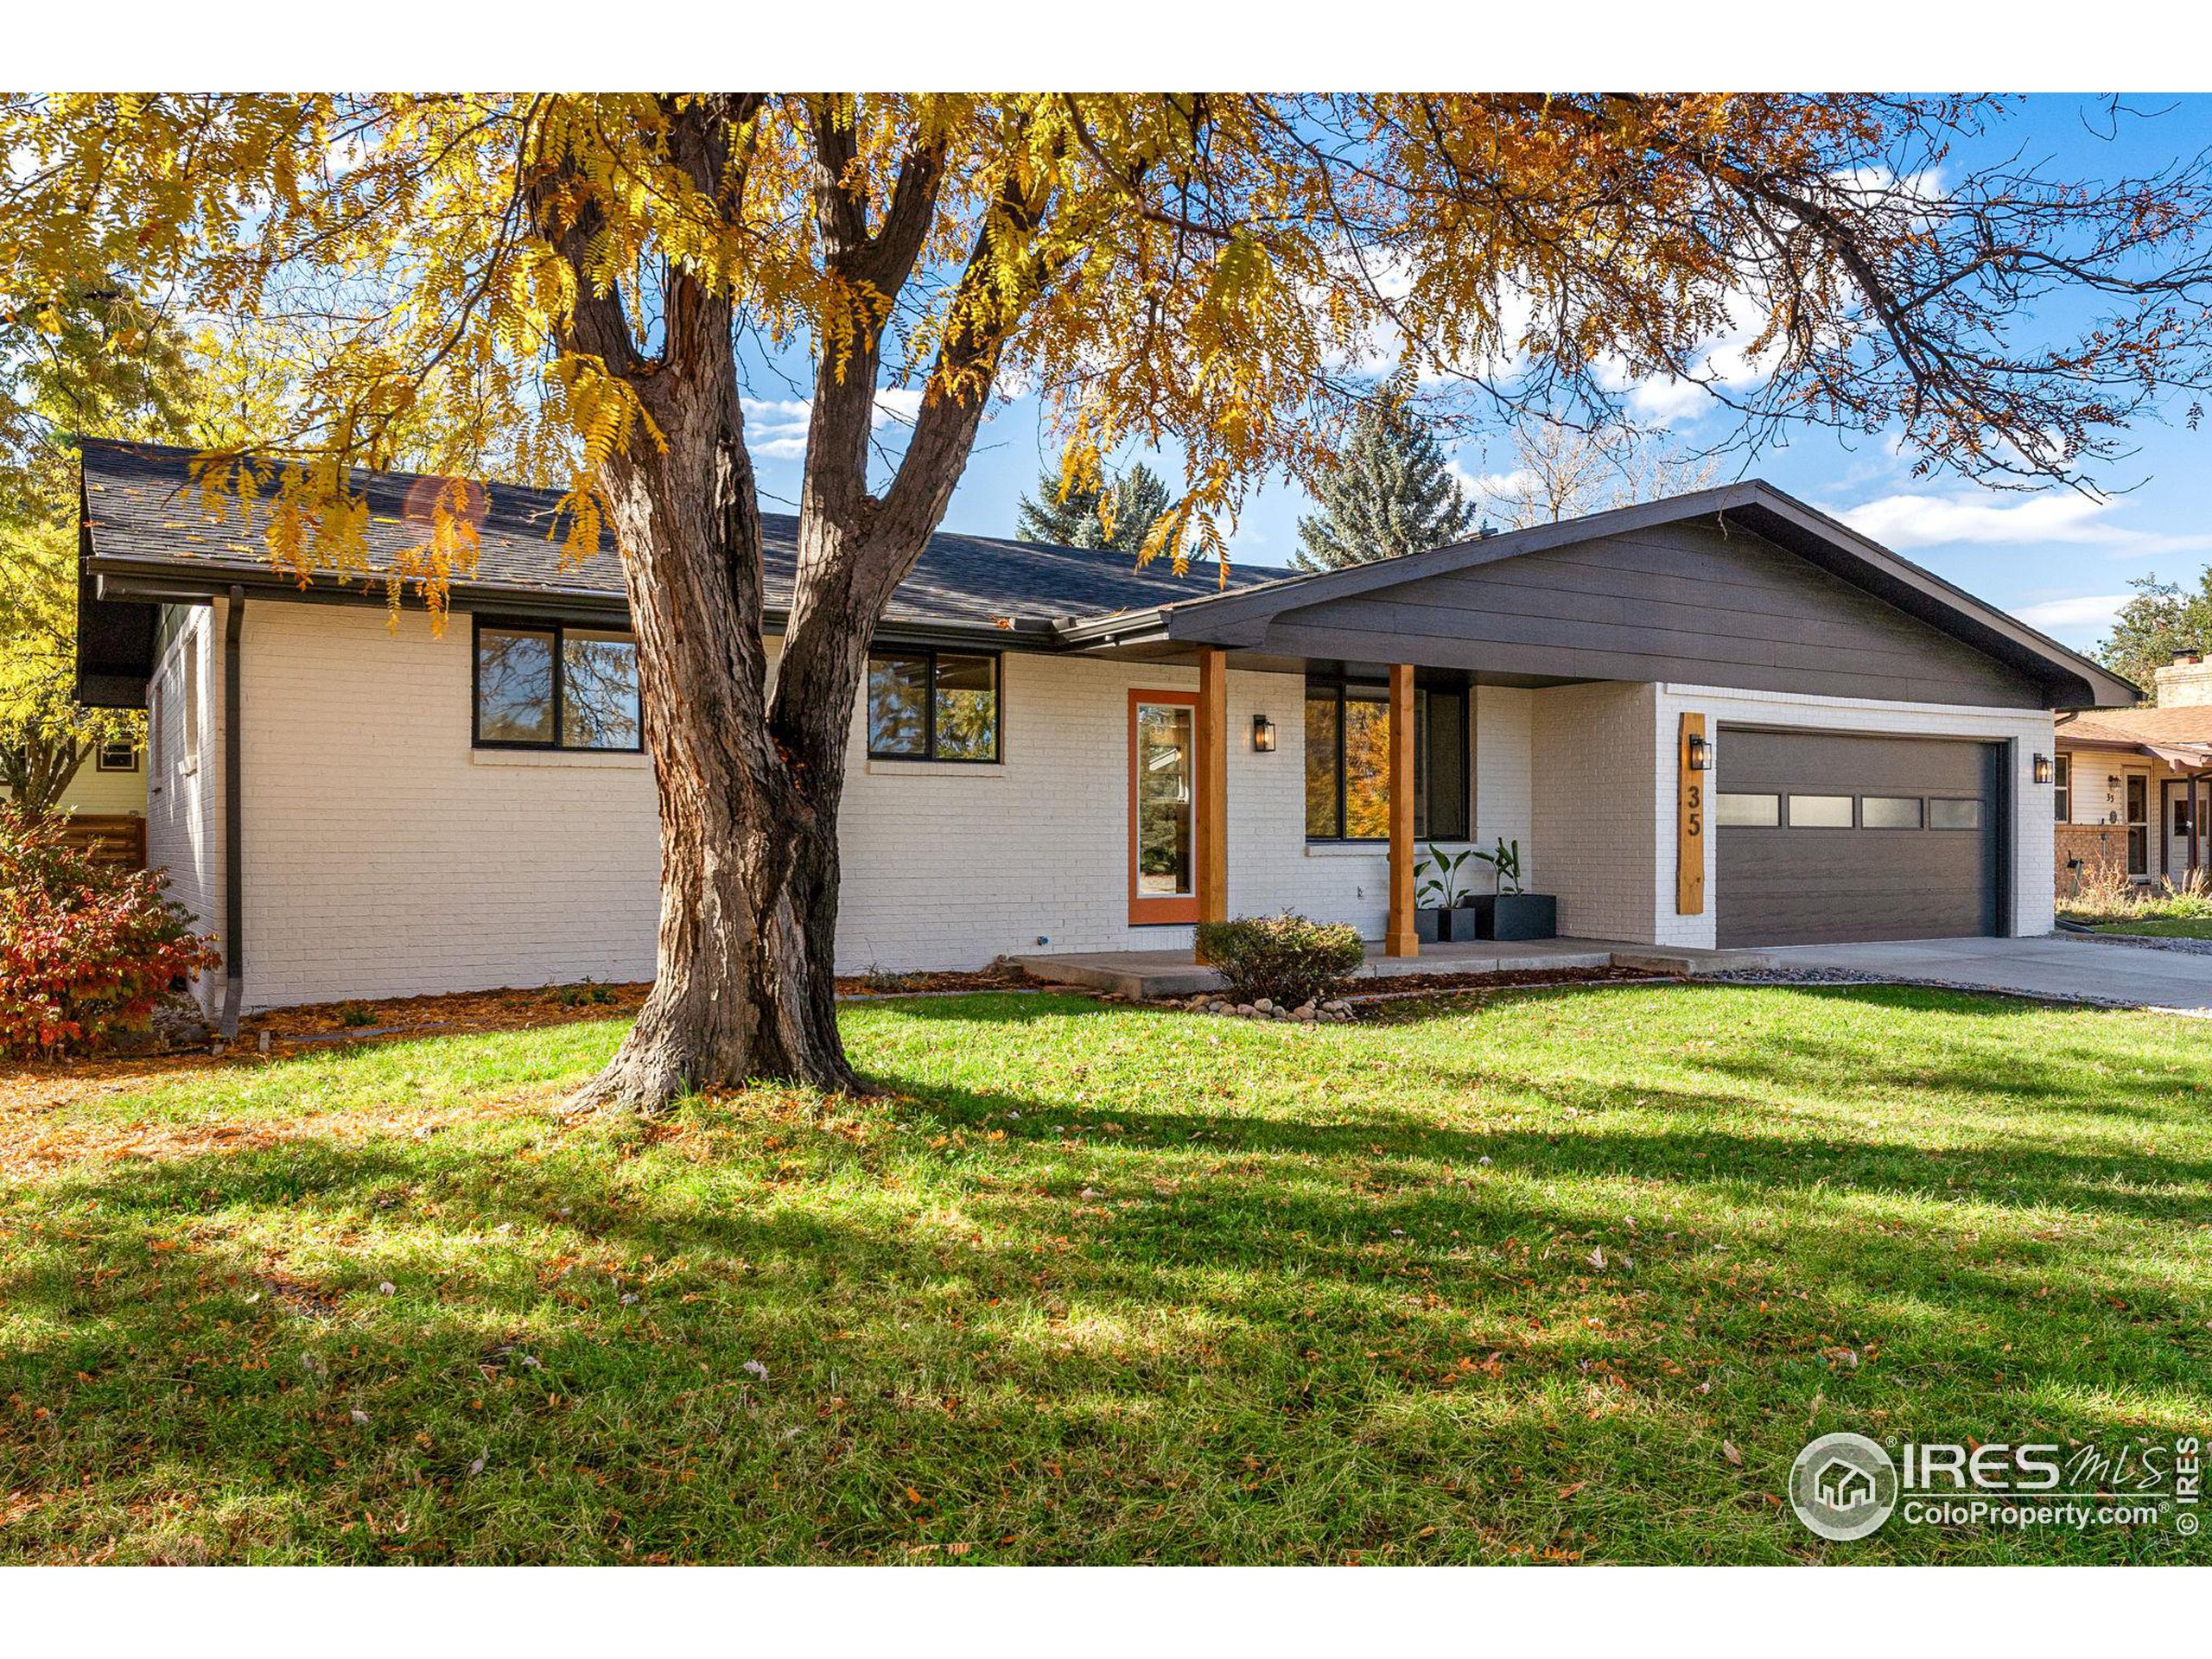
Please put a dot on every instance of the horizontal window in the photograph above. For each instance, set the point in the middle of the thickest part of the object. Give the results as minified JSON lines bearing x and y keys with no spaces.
{"x":933,"y":705}
{"x":1891,"y":812}
{"x":1820,"y":811}
{"x":1955,"y":815}
{"x":550,"y":687}
{"x":1748,"y":812}
{"x":117,"y":754}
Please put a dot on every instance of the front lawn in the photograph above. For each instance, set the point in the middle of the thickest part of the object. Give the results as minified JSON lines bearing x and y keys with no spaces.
{"x":2197,"y":929}
{"x":1561,"y":1276}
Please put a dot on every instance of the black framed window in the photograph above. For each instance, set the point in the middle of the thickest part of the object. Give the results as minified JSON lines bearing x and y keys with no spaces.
{"x":1348,"y":762}
{"x":117,"y":754}
{"x":548,"y":685}
{"x":924,"y":704}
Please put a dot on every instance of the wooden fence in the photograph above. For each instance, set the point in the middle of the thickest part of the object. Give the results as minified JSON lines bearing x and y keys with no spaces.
{"x":119,"y":840}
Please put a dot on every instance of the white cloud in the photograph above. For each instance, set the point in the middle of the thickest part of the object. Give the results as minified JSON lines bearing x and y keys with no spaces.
{"x":2083,"y":613}
{"x":1926,"y":520}
{"x":899,"y":404}
{"x":775,"y":427}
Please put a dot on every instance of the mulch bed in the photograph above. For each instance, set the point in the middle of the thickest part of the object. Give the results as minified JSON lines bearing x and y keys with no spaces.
{"x":1399,"y":984}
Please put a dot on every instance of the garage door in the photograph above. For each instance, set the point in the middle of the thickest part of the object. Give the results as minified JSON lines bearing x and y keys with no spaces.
{"x":1827,"y":838}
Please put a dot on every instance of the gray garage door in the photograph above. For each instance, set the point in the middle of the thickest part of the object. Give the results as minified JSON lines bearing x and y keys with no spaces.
{"x":1826,"y":838}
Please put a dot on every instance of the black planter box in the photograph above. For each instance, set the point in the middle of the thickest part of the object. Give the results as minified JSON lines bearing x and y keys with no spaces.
{"x":1516,"y":916}
{"x":1458,"y":926}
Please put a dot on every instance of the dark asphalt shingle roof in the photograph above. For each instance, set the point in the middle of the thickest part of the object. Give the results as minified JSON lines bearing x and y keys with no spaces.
{"x":143,"y":505}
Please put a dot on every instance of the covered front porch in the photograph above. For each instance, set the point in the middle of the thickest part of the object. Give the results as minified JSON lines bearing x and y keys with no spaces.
{"x":1149,"y":975}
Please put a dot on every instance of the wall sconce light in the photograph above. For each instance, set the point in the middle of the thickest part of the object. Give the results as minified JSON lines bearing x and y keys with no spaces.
{"x":2043,"y":768}
{"x":1263,"y":734}
{"x":1700,"y":753}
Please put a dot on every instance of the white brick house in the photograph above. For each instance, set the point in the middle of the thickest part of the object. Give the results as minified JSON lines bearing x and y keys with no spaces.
{"x":418,"y":810}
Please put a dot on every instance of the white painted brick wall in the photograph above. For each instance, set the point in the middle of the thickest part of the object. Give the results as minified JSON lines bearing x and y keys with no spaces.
{"x":1505,"y":775}
{"x":184,"y":796}
{"x":1593,"y":799}
{"x":385,"y":856}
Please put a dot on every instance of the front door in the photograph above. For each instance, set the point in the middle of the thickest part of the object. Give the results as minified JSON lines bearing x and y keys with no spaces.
{"x":2138,"y":824}
{"x":1163,"y":808}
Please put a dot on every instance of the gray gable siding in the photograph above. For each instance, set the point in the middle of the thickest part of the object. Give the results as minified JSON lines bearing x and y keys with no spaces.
{"x":1684,"y":602}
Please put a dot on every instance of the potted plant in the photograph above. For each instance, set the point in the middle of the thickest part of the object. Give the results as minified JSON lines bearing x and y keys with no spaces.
{"x":1509,"y":913}
{"x":1444,"y":908}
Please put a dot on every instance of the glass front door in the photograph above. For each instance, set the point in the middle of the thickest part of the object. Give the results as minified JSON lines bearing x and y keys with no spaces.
{"x":1163,"y":807}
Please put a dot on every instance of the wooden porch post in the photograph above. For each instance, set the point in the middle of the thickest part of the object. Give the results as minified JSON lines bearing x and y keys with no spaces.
{"x":1399,"y":938}
{"x":1212,"y":781}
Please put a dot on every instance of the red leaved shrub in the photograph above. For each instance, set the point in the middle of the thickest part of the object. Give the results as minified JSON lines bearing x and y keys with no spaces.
{"x":85,"y":950}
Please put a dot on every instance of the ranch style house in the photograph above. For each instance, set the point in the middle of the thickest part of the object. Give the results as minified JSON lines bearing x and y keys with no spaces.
{"x":1719,"y":720}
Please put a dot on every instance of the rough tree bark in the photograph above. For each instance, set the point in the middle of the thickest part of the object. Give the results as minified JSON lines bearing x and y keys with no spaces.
{"x":750,"y":782}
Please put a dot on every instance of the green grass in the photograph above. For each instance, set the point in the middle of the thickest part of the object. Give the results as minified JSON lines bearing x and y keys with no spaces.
{"x":2198,"y":929}
{"x":1105,"y":1285}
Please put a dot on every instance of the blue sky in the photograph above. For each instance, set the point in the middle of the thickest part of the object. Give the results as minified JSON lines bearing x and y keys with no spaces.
{"x":2057,"y":559}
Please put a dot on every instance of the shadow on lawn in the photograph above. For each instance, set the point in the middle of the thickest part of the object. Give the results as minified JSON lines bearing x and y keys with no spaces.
{"x":1253,"y":1344}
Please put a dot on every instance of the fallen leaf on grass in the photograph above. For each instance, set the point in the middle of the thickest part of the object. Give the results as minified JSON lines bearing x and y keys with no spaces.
{"x":1728,"y":1451}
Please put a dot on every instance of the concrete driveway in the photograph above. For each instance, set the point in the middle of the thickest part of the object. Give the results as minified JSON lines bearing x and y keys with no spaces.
{"x":2177,"y":981}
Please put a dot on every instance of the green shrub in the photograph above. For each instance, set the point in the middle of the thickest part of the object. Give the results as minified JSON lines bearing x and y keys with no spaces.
{"x":1288,"y":959}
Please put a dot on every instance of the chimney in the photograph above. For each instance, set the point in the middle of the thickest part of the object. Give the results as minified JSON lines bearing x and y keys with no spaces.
{"x":2185,"y":683}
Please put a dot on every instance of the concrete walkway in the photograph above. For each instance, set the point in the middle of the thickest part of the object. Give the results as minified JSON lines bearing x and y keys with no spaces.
{"x":2170,"y":981}
{"x":1146,"y":975}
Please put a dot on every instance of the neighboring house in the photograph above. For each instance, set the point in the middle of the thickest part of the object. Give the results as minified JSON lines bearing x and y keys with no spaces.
{"x":2134,"y":785}
{"x":111,"y":783}
{"x":106,"y":804}
{"x":1058,"y":752}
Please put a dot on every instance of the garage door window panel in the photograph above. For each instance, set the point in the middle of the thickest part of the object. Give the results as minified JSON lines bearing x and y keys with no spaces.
{"x":1747,"y":812}
{"x":1820,"y":813}
{"x":1954,"y":815}
{"x":1890,"y":811}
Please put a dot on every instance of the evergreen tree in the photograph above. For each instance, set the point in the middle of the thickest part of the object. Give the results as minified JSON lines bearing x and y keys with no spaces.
{"x":2161,"y":619}
{"x":1391,"y":492}
{"x":1138,"y":498}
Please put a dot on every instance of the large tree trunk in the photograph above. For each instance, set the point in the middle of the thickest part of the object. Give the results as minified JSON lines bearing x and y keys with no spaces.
{"x":749,"y":782}
{"x":749,"y":793}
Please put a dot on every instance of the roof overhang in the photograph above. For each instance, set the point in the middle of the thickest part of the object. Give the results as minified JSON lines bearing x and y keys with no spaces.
{"x":1243,"y":617}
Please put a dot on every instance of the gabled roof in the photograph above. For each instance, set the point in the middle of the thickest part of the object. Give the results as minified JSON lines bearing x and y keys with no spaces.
{"x":1243,"y":617}
{"x":144,"y":516}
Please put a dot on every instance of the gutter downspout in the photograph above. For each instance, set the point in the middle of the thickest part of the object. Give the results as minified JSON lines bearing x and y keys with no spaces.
{"x":234,"y":865}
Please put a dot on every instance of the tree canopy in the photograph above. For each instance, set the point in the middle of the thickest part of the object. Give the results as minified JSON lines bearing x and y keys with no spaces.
{"x":1238,"y":272}
{"x":2163,"y":616}
{"x":1390,"y":492}
{"x":1119,"y":515}
{"x":1559,"y":471}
